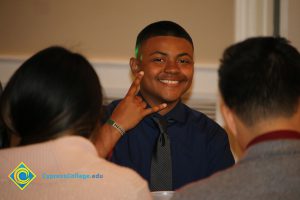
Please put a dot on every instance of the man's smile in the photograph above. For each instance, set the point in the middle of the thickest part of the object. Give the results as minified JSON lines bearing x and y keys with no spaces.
{"x":169,"y":82}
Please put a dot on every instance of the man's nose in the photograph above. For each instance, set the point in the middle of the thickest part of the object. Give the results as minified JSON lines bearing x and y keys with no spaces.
{"x":171,"y":67}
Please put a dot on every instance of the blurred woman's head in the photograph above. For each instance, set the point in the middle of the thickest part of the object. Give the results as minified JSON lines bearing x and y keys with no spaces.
{"x":54,"y":93}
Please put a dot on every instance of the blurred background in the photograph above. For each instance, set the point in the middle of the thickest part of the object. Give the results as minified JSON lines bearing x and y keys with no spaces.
{"x":105,"y":31}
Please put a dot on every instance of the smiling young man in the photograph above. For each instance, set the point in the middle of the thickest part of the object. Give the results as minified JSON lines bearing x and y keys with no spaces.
{"x":197,"y":147}
{"x":168,"y":63}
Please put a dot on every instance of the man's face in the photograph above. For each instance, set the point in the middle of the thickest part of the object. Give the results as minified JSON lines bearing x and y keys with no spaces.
{"x":168,"y":66}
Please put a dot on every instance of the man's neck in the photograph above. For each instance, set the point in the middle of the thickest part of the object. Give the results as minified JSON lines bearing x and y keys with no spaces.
{"x":170,"y":105}
{"x":168,"y":108}
{"x":266,"y":126}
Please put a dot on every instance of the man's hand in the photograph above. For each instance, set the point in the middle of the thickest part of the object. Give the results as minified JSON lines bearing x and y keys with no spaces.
{"x":129,"y":112}
{"x":132,"y":109}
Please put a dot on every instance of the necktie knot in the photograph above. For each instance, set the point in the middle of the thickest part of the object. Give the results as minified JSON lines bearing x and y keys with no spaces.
{"x":162,"y":125}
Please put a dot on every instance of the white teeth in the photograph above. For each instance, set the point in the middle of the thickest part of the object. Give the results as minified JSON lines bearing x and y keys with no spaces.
{"x":170,"y":82}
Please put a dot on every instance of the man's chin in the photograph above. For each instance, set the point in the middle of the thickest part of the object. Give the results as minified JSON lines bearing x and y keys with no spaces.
{"x":170,"y":100}
{"x":162,"y":97}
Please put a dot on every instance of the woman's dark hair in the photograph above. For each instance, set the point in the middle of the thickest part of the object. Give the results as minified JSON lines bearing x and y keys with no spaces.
{"x":52,"y":93}
{"x":4,"y":138}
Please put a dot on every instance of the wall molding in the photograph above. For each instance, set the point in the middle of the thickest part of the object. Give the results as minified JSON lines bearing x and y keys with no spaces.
{"x":115,"y":77}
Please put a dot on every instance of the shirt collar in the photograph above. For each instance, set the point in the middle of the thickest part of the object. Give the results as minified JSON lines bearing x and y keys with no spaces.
{"x":178,"y":113}
{"x":275,"y":135}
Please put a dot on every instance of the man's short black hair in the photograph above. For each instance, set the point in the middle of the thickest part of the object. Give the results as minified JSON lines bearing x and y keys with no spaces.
{"x":161,"y":28}
{"x":259,"y":78}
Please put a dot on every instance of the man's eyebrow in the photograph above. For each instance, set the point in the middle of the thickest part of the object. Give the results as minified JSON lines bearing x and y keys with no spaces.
{"x":165,"y":54}
{"x":185,"y":54}
{"x":158,"y":52}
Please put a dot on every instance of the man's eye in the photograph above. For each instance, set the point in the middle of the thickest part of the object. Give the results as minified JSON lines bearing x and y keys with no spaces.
{"x":183,"y":61}
{"x":157,"y":60}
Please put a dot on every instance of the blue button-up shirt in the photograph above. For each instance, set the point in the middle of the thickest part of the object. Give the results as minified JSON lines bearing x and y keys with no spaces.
{"x":199,"y":146}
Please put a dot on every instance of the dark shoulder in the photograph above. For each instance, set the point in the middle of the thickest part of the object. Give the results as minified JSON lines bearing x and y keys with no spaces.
{"x":107,"y":109}
{"x":197,"y":116}
{"x":201,"y":121}
{"x":114,"y":104}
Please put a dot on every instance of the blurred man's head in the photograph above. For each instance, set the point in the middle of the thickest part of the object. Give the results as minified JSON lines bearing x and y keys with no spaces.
{"x":259,"y":80}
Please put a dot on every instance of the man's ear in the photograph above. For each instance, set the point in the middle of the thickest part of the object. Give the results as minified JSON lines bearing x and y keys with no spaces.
{"x":134,"y":65}
{"x":229,"y":118}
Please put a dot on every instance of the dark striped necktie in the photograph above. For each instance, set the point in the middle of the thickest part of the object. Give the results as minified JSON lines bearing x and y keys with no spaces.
{"x":161,"y":163}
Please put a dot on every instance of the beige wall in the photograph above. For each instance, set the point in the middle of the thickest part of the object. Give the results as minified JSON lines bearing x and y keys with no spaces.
{"x":106,"y":29}
{"x":293,"y":33}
